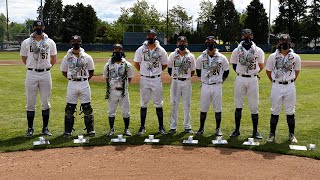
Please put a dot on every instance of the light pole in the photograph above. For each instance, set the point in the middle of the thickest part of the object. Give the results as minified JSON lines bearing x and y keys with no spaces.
{"x":7,"y":20}
{"x":269,"y":26}
{"x":41,"y":15}
{"x":167,"y":33}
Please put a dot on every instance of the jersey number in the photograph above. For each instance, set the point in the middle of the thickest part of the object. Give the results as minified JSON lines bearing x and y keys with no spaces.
{"x":44,"y":55}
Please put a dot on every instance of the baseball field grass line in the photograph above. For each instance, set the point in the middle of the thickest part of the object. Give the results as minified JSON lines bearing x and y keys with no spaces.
{"x":13,"y":122}
{"x":130,"y":55}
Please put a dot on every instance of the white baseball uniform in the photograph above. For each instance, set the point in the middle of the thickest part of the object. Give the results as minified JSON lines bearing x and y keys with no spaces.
{"x":77,"y":69}
{"x":246,"y":82}
{"x":212,"y":69}
{"x":151,"y":62}
{"x":38,"y":70}
{"x":181,"y":86}
{"x":283,"y":74}
{"x":118,"y":74}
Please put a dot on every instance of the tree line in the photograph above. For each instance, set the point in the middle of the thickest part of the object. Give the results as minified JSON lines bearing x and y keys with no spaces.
{"x":222,"y":20}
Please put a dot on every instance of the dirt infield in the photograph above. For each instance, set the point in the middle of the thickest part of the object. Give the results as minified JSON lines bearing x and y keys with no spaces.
{"x":154,"y":162}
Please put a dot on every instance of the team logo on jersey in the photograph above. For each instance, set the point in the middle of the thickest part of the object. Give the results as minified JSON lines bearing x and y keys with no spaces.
{"x":152,"y":58}
{"x":284,"y":64}
{"x":182,"y":65}
{"x":249,"y":60}
{"x":212,"y":66}
{"x":77,"y":67}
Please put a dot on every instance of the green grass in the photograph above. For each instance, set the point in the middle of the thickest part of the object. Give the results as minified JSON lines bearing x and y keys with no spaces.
{"x":130,"y":55}
{"x":13,"y":123}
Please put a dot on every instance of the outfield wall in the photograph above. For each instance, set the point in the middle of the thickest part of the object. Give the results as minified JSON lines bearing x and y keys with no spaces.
{"x":169,"y":48}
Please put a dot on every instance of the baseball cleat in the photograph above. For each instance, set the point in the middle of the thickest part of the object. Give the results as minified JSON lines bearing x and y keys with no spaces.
{"x":188,"y":131}
{"x":256,"y":135}
{"x":218,"y":132}
{"x":172,"y":131}
{"x":235,"y":133}
{"x":46,"y":132}
{"x":91,"y":134}
{"x":141,"y":131}
{"x":162,"y":130}
{"x":29,"y":132}
{"x":127,"y":132}
{"x":111,"y":132}
{"x":271,"y":138}
{"x":66,"y":134}
{"x":292,"y":138}
{"x":200,"y":132}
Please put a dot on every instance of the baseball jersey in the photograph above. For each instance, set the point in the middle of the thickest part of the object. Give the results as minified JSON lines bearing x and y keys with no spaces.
{"x":77,"y":67}
{"x":283,"y":67}
{"x":247,"y":60}
{"x":117,"y":72}
{"x":151,"y":61}
{"x":38,"y":52}
{"x":212,"y":68}
{"x":181,"y":65}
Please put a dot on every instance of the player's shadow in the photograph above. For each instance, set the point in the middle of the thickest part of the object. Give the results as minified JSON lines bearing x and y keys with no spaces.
{"x":277,"y":148}
{"x":18,"y":140}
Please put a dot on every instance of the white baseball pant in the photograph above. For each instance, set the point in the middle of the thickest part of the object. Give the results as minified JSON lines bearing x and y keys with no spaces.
{"x":244,"y":86}
{"x":285,"y":94}
{"x":78,"y":89}
{"x":43,"y":82}
{"x":151,"y":87}
{"x":180,"y":89}
{"x":116,"y":98}
{"x":211,"y":94}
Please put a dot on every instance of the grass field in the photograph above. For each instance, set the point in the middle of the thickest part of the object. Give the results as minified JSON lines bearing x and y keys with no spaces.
{"x":130,"y":55}
{"x":13,"y":123}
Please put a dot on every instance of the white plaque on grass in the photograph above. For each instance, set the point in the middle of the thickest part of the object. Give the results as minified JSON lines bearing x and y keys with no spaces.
{"x":37,"y":143}
{"x":247,"y":143}
{"x":152,"y":140}
{"x":296,"y":147}
{"x":117,"y":140}
{"x":79,"y":141}
{"x":190,"y":141}
{"x":219,"y":142}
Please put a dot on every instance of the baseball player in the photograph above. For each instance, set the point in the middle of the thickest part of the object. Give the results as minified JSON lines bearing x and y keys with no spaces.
{"x":247,"y":61}
{"x":39,"y":54}
{"x":118,"y":73}
{"x":78,"y":67}
{"x":213,"y":69}
{"x":282,"y":68}
{"x":181,"y":67}
{"x":151,"y":59}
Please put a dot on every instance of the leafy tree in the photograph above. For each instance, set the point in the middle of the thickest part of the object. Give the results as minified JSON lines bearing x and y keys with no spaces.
{"x":52,"y":17}
{"x":81,"y":20}
{"x":3,"y":25}
{"x":179,"y":18}
{"x":257,"y":21}
{"x":226,"y":21}
{"x":311,"y":23}
{"x":291,"y":13}
{"x":204,"y":24}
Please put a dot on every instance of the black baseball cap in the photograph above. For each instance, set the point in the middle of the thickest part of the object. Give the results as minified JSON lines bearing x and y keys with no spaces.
{"x":210,"y":38}
{"x":117,"y":46}
{"x":284,"y":37}
{"x":247,"y":31}
{"x":182,"y":38}
{"x":152,"y":31}
{"x":38,"y":23}
{"x":76,"y":38}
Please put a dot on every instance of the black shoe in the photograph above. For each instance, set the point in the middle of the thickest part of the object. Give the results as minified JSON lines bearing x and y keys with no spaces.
{"x":162,"y":130}
{"x":235,"y":133}
{"x":141,"y":131}
{"x":172,"y":131}
{"x":271,"y":138}
{"x":127,"y":132}
{"x":66,"y":134}
{"x":111,"y":132}
{"x":91,"y":133}
{"x":200,"y":132}
{"x":29,"y":132}
{"x":46,"y":132}
{"x":256,"y":135}
{"x":218,"y":132}
{"x":188,"y":131}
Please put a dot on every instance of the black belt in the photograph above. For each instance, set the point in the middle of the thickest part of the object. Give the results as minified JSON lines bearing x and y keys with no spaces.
{"x":283,"y":82}
{"x":118,"y":88}
{"x":181,"y":79}
{"x":247,"y":76}
{"x":79,"y":79}
{"x":39,"y":70}
{"x":210,"y":84}
{"x":150,"y":76}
